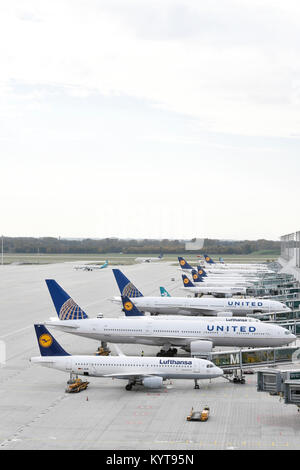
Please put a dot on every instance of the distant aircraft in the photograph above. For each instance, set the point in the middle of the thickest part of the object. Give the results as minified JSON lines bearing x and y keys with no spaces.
{"x":262,"y":268}
{"x":194,"y":306}
{"x":91,"y":267}
{"x":149,"y":260}
{"x":184,"y":265}
{"x":164,"y":292}
{"x":147,"y":371}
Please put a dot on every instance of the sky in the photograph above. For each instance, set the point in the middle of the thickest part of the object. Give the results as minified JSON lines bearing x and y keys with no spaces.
{"x":150,"y":119}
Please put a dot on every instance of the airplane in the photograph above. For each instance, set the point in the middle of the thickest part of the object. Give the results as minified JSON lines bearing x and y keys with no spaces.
{"x":216,"y":290}
{"x":187,"y":268}
{"x":195,"y":306}
{"x":197,"y":336}
{"x":222,"y":264}
{"x":225,"y":281}
{"x":227,"y":275}
{"x":149,"y":260}
{"x":92,"y":267}
{"x":147,"y":371}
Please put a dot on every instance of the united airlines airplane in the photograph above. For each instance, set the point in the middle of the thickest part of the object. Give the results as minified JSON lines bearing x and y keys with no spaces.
{"x":195,"y":306}
{"x":197,"y":336}
{"x":147,"y":371}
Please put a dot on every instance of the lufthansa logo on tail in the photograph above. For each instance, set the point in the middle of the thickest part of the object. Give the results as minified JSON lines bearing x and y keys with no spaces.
{"x":200,"y":272}
{"x":128,"y":306}
{"x":207,"y":258}
{"x":195,"y":276}
{"x":45,"y":340}
{"x":182,"y":262}
{"x":186,"y":281}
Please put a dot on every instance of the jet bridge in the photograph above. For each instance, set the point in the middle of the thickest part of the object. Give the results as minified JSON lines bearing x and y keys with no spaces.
{"x":284,"y":383}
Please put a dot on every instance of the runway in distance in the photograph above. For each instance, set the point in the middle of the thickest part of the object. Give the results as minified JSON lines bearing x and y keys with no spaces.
{"x":149,"y":259}
{"x":147,"y":371}
{"x":197,"y":336}
{"x":91,"y":267}
{"x":195,"y":306}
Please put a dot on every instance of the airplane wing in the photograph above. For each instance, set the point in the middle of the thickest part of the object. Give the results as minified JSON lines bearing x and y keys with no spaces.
{"x":128,"y":375}
{"x":59,"y":325}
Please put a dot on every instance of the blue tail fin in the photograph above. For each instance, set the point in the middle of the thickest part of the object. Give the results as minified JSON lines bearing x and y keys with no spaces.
{"x":221,"y":260}
{"x":161,"y":255}
{"x":196,"y":277}
{"x":201,"y":271}
{"x":208,"y":259}
{"x":164,"y":292}
{"x":183,"y":263}
{"x":186,"y":281}
{"x":47,"y":343}
{"x":65,"y":307}
{"x":125,"y":286}
{"x":129,"y":308}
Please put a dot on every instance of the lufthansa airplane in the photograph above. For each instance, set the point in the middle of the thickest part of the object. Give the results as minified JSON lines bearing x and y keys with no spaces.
{"x":217,"y":290}
{"x":147,"y":371}
{"x":195,"y":306}
{"x":197,"y":336}
{"x":92,"y":267}
{"x":232,"y":273}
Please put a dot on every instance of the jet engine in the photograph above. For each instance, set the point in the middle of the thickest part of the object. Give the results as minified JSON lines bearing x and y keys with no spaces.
{"x":152,"y":382}
{"x":199,"y":347}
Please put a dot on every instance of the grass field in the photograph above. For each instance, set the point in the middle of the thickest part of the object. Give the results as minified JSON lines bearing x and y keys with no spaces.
{"x":125,"y":259}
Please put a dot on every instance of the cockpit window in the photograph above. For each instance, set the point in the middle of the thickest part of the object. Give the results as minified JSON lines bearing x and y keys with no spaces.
{"x":209,"y":365}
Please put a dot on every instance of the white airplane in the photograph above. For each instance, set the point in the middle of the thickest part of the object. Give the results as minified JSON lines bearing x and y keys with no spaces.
{"x":187,"y":268}
{"x":201,"y":278}
{"x":249,"y":266}
{"x":195,"y":306}
{"x":147,"y":371}
{"x":91,"y":267}
{"x":197,"y":336}
{"x":150,"y":259}
{"x":214,"y":289}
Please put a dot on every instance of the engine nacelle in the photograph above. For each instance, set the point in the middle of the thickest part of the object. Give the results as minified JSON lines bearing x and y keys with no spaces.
{"x":152,"y":382}
{"x":224,"y":314}
{"x":201,"y":348}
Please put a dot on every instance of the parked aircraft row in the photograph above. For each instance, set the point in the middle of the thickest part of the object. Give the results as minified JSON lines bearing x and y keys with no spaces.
{"x":195,"y":325}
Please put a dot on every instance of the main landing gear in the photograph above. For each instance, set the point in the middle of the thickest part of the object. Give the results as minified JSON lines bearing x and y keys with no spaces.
{"x":130,"y":385}
{"x":196,"y":386}
{"x":167,"y":353}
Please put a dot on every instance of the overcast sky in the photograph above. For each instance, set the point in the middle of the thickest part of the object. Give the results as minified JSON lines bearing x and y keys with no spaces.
{"x":137,"y":118}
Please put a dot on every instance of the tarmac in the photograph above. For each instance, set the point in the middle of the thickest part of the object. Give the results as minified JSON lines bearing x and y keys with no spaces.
{"x":36,"y":413}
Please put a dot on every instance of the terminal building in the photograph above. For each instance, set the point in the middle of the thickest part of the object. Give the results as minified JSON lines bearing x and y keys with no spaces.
{"x":290,"y":254}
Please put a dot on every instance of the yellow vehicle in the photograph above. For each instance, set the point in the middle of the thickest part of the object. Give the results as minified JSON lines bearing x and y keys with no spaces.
{"x":102,"y":352}
{"x":77,"y":386}
{"x":198,"y":415}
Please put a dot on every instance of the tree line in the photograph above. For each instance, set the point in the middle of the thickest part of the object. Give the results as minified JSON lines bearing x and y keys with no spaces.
{"x":51,"y":245}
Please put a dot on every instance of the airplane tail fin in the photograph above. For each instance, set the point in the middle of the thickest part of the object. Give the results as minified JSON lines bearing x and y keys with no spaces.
{"x":183,"y":263}
{"x":196,"y":276}
{"x":65,"y":306}
{"x":201,"y":271}
{"x":221,"y":260}
{"x":186,"y":281}
{"x":208,"y":259}
{"x":47,"y":343}
{"x":129,"y":308}
{"x":161,"y":255}
{"x":164,"y":292}
{"x":126,"y":287}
